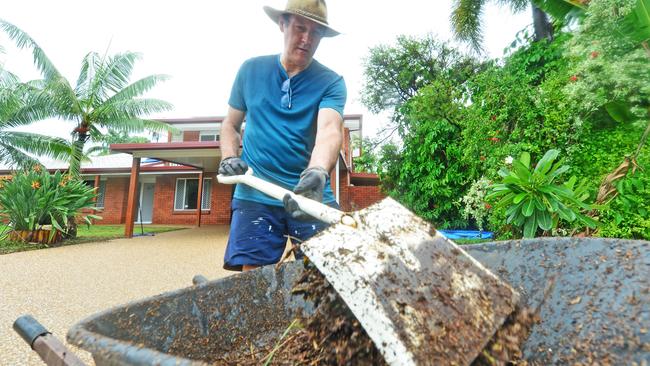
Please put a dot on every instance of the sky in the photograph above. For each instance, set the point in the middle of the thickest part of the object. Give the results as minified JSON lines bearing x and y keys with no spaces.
{"x":202,"y":43}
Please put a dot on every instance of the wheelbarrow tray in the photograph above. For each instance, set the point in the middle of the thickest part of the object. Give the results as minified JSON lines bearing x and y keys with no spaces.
{"x":593,"y":296}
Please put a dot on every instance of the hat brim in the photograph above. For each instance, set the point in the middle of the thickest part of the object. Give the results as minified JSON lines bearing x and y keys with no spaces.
{"x":275,"y":15}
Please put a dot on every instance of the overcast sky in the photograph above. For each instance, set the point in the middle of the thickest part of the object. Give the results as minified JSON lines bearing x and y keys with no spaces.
{"x":201,"y":44}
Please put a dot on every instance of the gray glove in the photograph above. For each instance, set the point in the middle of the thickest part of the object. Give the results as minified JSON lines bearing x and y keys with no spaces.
{"x":311,"y":185}
{"x":232,"y":166}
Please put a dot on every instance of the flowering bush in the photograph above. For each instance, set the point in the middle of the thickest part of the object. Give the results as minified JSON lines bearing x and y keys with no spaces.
{"x":474,"y":204}
{"x":31,"y":199}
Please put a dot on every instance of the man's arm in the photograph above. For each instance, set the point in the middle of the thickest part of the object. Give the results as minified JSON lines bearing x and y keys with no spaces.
{"x":230,"y":138}
{"x":329,"y":137}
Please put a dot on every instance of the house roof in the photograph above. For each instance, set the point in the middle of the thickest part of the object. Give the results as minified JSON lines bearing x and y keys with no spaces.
{"x":199,"y":154}
{"x":114,"y":163}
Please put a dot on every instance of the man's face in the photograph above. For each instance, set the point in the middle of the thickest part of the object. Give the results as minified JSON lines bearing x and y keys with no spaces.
{"x":301,"y":39}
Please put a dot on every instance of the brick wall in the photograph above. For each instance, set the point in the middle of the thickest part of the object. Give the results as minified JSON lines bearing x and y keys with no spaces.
{"x":163,"y":207}
{"x":364,"y":196}
{"x":115,"y":199}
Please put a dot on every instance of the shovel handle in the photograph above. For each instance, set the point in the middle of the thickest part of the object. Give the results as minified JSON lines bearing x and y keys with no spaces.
{"x":313,"y":208}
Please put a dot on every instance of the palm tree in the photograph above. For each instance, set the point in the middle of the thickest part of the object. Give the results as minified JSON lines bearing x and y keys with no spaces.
{"x":102,"y":98}
{"x":16,"y":147}
{"x":466,"y":17}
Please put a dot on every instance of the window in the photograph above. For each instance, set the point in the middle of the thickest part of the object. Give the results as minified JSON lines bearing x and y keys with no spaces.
{"x":186,"y":191}
{"x":101,"y":191}
{"x":208,"y":136}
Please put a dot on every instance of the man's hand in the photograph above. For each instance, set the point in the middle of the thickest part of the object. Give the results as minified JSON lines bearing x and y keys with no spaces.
{"x":232,"y":166}
{"x":311,"y":185}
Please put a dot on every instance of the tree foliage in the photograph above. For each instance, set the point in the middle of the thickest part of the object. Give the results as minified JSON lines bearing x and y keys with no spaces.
{"x":395,"y":73}
{"x":102,"y":98}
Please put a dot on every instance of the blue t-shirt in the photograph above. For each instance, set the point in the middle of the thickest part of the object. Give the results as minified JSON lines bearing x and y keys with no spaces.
{"x":278,"y":138}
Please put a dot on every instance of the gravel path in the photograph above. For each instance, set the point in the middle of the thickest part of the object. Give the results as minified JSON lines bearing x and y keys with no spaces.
{"x":61,"y":286}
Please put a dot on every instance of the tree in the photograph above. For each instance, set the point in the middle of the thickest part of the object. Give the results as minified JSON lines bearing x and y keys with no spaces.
{"x":395,"y":74}
{"x":101,"y":99}
{"x":612,"y":72}
{"x":16,"y":147}
{"x":466,"y":17}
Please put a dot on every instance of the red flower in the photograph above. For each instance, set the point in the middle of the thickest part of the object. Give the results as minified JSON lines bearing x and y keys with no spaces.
{"x":494,"y":118}
{"x":482,"y":158}
{"x":488,"y":206}
{"x":494,"y":139}
{"x":574,"y":78}
{"x":594,"y":54}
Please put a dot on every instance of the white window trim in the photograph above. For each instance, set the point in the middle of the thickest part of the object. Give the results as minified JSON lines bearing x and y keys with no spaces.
{"x":214,"y":133}
{"x":99,"y":189}
{"x":206,"y":182}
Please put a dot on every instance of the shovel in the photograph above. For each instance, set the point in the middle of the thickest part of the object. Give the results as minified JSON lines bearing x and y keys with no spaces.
{"x":421,"y":298}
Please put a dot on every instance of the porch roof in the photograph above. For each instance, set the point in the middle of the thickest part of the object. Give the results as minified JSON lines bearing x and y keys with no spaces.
{"x":204,"y":155}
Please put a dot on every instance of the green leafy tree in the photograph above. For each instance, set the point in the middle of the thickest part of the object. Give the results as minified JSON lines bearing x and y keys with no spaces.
{"x":102,"y":98}
{"x":367,"y":161}
{"x":428,"y":175}
{"x":395,"y":73}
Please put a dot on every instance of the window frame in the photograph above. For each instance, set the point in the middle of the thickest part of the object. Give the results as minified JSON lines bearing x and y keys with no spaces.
{"x":207,"y":182}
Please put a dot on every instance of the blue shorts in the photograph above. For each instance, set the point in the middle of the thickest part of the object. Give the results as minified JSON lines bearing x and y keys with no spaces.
{"x":258,"y":233}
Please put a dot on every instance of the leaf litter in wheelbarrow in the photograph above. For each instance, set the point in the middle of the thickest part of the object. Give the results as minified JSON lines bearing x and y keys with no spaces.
{"x":333,"y":336}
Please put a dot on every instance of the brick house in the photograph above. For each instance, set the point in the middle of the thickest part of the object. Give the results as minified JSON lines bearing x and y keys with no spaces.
{"x":161,"y":182}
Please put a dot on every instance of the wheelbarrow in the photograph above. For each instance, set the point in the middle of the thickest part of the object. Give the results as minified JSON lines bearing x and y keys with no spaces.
{"x":593,"y":296}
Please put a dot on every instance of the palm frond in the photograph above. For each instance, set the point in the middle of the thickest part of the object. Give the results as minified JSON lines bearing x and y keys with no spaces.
{"x":138,"y":88}
{"x":135,"y":125}
{"x":561,"y":9}
{"x":36,"y":144}
{"x":15,"y":158}
{"x":514,"y":5}
{"x":128,"y":109}
{"x":466,"y":22}
{"x":89,"y":66}
{"x":112,"y":76}
{"x":23,"y":40}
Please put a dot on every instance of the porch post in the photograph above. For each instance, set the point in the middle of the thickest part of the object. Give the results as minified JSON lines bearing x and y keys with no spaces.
{"x":96,"y":191}
{"x":199,"y":201}
{"x":132,"y":198}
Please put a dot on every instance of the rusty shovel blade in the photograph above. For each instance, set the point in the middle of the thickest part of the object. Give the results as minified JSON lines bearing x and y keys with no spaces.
{"x":421,"y":298}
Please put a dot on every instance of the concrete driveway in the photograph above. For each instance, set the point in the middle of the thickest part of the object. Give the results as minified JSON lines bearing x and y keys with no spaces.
{"x":61,"y":286}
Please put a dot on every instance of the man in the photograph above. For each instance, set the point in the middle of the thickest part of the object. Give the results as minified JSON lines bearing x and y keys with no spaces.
{"x":294,"y":129}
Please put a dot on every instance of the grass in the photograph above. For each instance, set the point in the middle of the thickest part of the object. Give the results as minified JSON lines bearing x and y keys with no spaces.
{"x":471,"y":241}
{"x":85,"y":234}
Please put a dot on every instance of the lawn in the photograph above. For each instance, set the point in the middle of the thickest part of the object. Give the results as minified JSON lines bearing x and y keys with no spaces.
{"x":84,"y":235}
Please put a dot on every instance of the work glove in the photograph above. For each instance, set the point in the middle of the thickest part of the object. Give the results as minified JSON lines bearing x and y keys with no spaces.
{"x":311,"y":185}
{"x":232,"y":166}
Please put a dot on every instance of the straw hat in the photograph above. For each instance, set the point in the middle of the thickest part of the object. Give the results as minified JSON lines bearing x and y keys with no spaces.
{"x":314,"y":10}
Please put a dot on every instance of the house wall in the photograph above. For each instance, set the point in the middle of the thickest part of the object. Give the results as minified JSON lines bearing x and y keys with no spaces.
{"x":364,"y":196}
{"x":163,"y":207}
{"x":116,"y":196}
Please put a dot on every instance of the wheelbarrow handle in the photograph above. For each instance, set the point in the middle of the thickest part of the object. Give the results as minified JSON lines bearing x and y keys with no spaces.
{"x":48,"y":347}
{"x":313,"y":208}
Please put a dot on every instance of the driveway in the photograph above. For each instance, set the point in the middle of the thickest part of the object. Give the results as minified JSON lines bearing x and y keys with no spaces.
{"x":61,"y":286}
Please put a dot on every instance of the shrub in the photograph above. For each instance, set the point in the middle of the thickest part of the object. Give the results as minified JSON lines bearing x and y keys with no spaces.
{"x":534,"y":200}
{"x":31,"y":199}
